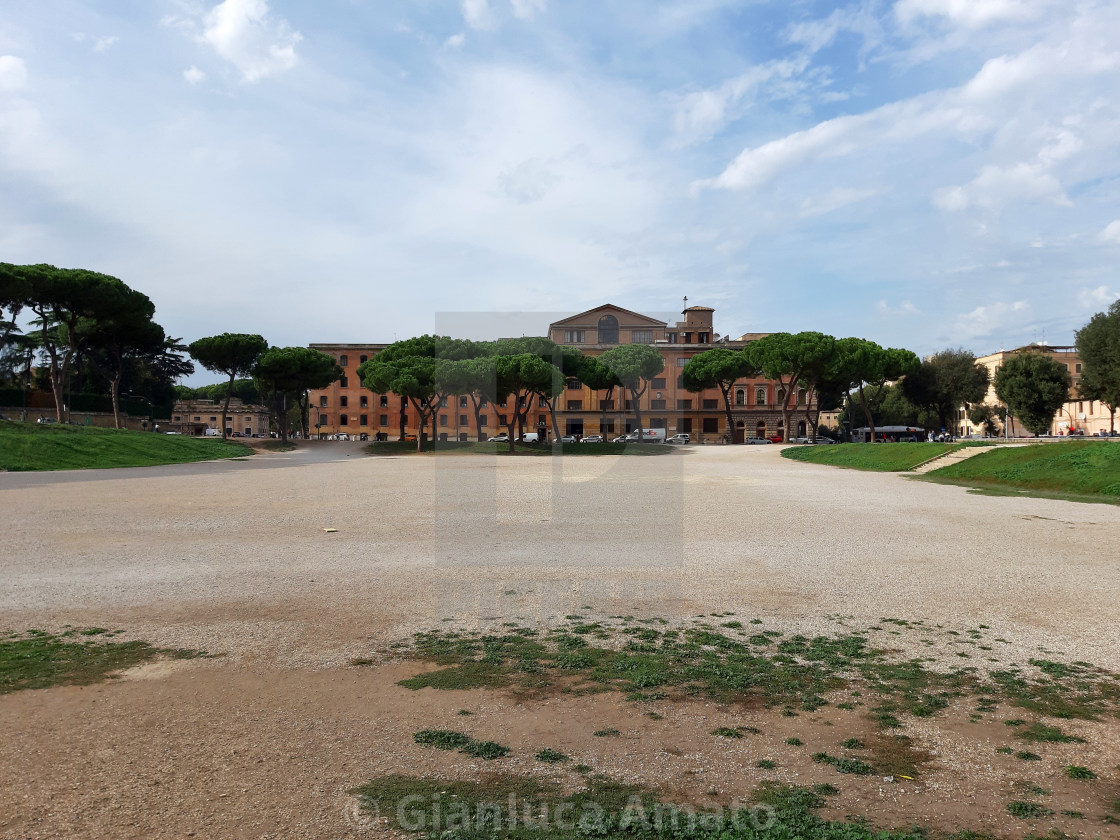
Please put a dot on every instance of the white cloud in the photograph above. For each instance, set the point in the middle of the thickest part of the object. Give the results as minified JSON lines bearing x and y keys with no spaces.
{"x":986,"y":319}
{"x":904,"y":308}
{"x":1111,"y":233}
{"x":526,"y":9}
{"x":245,"y":34}
{"x":478,"y":14}
{"x":456,"y":41}
{"x":1101,"y":296}
{"x":13,"y":74}
{"x":833,"y":200}
{"x":815,"y":35}
{"x":969,"y":13}
{"x":193,"y":75}
{"x":703,"y":114}
{"x":102,"y":44}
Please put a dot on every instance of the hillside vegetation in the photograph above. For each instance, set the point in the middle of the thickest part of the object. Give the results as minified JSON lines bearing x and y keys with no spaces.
{"x":880,"y":457}
{"x":28,"y":447}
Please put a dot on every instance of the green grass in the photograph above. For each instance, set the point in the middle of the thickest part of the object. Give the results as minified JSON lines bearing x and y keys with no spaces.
{"x":551,"y":756}
{"x":1079,"y":470}
{"x":1028,"y":810}
{"x":774,"y":671}
{"x":446,"y":739}
{"x":28,"y":447}
{"x":1084,"y":774}
{"x":481,"y":810}
{"x":42,"y":660}
{"x":545,"y":450}
{"x":879,"y":457}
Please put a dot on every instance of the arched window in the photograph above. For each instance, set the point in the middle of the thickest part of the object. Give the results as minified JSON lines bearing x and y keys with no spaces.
{"x":740,"y":397}
{"x":608,"y":330}
{"x":760,"y":396}
{"x":760,"y":429}
{"x":343,"y":361}
{"x":781,"y":396}
{"x":801,"y":396}
{"x":801,"y":429}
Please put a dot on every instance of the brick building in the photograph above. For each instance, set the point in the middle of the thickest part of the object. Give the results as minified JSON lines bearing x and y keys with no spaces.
{"x":346,"y":406}
{"x":194,"y":417}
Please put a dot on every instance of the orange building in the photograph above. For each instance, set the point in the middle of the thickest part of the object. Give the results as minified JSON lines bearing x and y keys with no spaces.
{"x":347,"y":407}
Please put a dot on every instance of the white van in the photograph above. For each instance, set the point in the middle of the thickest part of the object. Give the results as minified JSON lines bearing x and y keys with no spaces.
{"x":653,"y":435}
{"x":213,"y":433}
{"x":531,"y":437}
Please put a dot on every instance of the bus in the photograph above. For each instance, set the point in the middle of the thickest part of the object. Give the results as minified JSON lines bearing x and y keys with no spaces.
{"x":894,"y":434}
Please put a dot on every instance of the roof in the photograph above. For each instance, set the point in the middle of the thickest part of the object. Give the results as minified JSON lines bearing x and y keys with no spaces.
{"x":697,"y":309}
{"x":586,"y":319}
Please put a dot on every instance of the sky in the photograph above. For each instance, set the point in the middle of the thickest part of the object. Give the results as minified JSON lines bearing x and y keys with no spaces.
{"x":923,"y":173}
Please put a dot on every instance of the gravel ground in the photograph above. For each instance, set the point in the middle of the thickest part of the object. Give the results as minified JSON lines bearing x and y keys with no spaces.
{"x":265,"y":741}
{"x":233,"y":557}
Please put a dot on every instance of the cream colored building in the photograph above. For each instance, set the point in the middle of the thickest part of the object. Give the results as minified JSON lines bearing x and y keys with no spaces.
{"x":1078,"y":416}
{"x":194,"y":417}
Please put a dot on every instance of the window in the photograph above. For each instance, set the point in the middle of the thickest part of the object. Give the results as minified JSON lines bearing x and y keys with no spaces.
{"x":641,"y":336}
{"x":1077,"y":368}
{"x":344,"y":382}
{"x":608,"y":428}
{"x":343,"y":402}
{"x":363,"y":359}
{"x":801,"y":397}
{"x":688,"y":338}
{"x":701,"y":338}
{"x":363,"y":402}
{"x":760,"y":396}
{"x":627,"y":406}
{"x":463,"y":420}
{"x":781,"y":396}
{"x":685,"y":425}
{"x":740,"y":397}
{"x":606,"y":405}
{"x":322,"y":420}
{"x":322,"y":402}
{"x":682,"y":360}
{"x":363,"y":419}
{"x":711,"y":425}
{"x":197,"y":419}
{"x":658,"y":383}
{"x":383,"y":420}
{"x":608,"y":330}
{"x":671,"y":337}
{"x":343,"y":420}
{"x":521,"y":402}
{"x":684,"y":405}
{"x":443,"y":403}
{"x":573,"y":336}
{"x":502,"y":419}
{"x":462,"y":402}
{"x":575,"y":405}
{"x":343,"y":360}
{"x":657,"y":423}
{"x":484,"y":422}
{"x":178,"y":419}
{"x":710,"y":404}
{"x":574,"y":385}
{"x":213,"y":419}
{"x":443,"y":419}
{"x":657,"y":405}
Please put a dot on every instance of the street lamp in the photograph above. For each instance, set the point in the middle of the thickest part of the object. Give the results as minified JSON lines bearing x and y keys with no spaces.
{"x":151,"y":410}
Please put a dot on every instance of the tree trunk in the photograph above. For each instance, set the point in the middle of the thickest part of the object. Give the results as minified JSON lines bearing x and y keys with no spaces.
{"x":867,"y":412}
{"x":114,"y":396}
{"x":404,"y":418}
{"x":550,"y":404}
{"x":509,"y":432}
{"x":225,"y":405}
{"x":636,"y":407}
{"x":477,"y":402}
{"x":726,"y":391}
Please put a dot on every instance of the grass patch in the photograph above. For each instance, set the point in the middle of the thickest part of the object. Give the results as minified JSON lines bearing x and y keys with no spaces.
{"x":844,"y":765}
{"x":607,"y":733}
{"x":877,"y":457}
{"x":481,"y":810}
{"x":42,"y":660}
{"x":1082,"y":470}
{"x":766,"y":764}
{"x":26,"y":447}
{"x":1040,"y":732}
{"x":446,"y":739}
{"x":727,"y":732}
{"x":1084,"y":774}
{"x":1028,"y":810}
{"x":550,"y":756}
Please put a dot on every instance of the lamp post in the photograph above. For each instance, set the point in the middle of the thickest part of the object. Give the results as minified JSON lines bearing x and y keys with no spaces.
{"x":151,"y":410}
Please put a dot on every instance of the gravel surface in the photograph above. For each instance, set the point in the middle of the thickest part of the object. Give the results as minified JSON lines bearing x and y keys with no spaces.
{"x":233,"y":556}
{"x":267,"y":739}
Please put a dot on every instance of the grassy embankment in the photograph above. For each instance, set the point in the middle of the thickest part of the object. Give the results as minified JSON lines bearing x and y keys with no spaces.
{"x":1077,"y":471}
{"x":879,"y":457}
{"x":28,"y":447}
{"x":488,"y":448}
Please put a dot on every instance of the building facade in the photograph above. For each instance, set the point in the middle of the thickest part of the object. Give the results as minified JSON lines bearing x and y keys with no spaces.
{"x":194,"y":417}
{"x":347,"y":407}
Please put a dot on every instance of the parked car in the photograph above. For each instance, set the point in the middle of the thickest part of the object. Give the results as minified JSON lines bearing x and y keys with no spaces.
{"x":43,"y":421}
{"x":502,"y":438}
{"x":569,"y":439}
{"x":172,"y":433}
{"x":593,"y":439}
{"x":627,"y":438}
{"x":776,"y":439}
{"x":531,"y":437}
{"x":679,"y":438}
{"x":757,"y":441}
{"x":408,"y":438}
{"x":824,"y":440}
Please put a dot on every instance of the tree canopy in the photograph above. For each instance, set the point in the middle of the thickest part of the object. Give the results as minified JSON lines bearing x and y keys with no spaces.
{"x":719,"y":368}
{"x":1098,"y":344}
{"x":946,"y":381}
{"x":1033,"y":386}
{"x":234,"y":354}
{"x":633,"y":365}
{"x":289,"y":372}
{"x":792,"y":359}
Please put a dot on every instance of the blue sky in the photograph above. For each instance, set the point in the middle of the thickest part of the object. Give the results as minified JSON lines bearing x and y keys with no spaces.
{"x":926,"y":173}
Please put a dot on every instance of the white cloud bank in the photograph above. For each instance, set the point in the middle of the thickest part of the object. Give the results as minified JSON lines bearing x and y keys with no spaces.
{"x":1111,"y":233}
{"x":969,"y":13}
{"x":13,"y":74}
{"x":246,"y":34}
